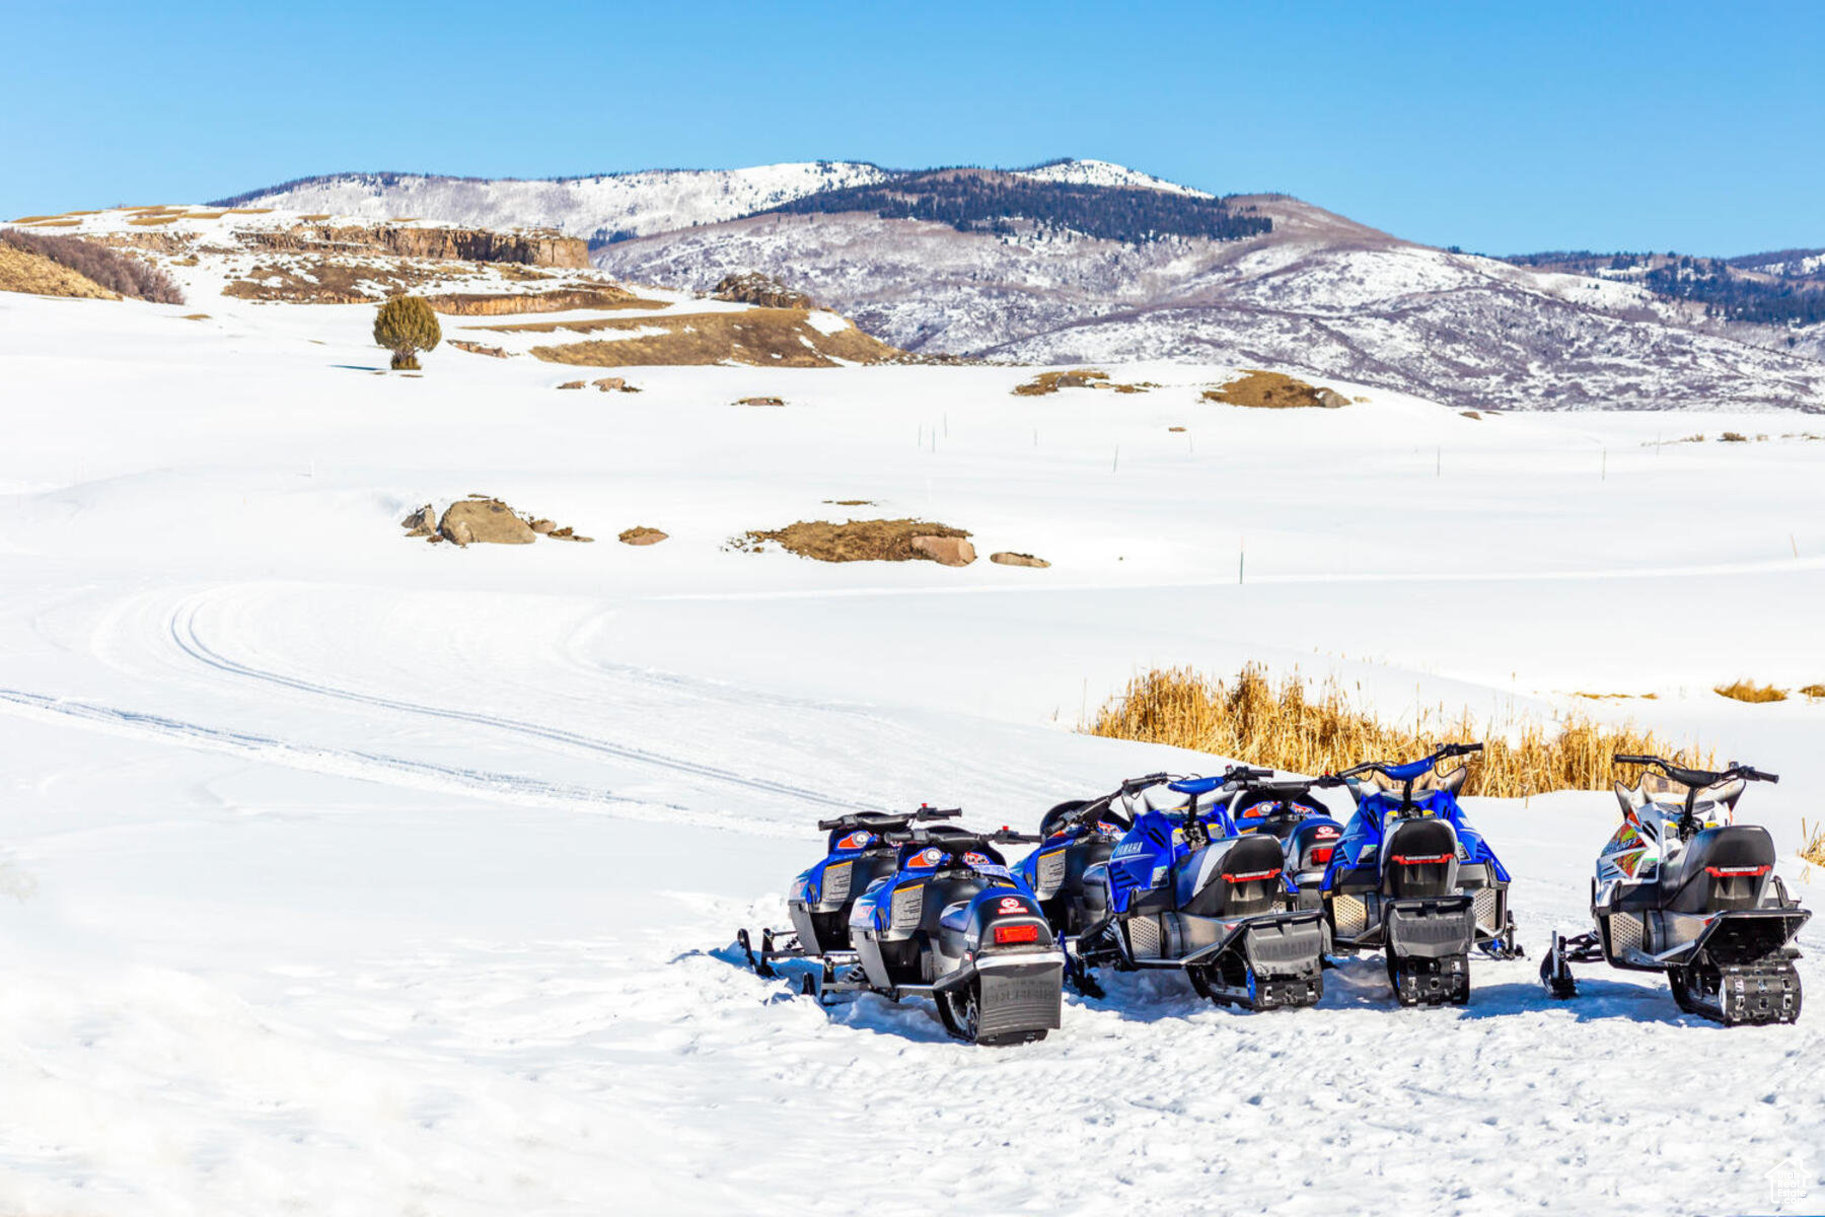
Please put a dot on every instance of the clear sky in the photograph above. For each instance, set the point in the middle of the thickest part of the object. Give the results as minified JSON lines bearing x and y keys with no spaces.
{"x":1499,"y":127}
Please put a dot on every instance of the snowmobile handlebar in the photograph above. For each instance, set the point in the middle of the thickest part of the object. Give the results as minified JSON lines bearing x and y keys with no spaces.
{"x":886,"y":821}
{"x":1444,"y":752}
{"x":952,"y":841}
{"x":1697,"y":778}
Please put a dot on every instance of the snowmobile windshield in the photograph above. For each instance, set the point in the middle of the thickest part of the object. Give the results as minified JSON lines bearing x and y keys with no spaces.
{"x":1425,"y":783}
{"x":1713,"y":806}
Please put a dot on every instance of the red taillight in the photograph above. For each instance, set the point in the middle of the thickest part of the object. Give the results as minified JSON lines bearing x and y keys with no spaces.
{"x":1322,"y":853}
{"x":1734,"y":872}
{"x":1421,"y":860}
{"x":1005,"y":934}
{"x":1252,"y":875}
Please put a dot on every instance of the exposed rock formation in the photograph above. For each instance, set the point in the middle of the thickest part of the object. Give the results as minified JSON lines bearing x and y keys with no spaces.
{"x":946,"y":551}
{"x":1006,"y":558}
{"x":488,"y":521}
{"x":530,"y":247}
{"x":762,"y":290}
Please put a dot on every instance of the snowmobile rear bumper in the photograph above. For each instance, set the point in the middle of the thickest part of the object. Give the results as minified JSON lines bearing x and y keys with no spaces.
{"x":1428,"y":943}
{"x":1017,"y":996}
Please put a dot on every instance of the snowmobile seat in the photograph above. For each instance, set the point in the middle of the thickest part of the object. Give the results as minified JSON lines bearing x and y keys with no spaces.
{"x":1720,"y":869}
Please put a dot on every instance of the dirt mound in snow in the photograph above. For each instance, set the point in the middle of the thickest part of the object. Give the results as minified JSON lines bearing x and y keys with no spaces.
{"x":864,"y":541}
{"x":762,"y":290}
{"x":1082,"y":378}
{"x":34,"y":273}
{"x":1275,"y":391}
{"x":761,"y":337}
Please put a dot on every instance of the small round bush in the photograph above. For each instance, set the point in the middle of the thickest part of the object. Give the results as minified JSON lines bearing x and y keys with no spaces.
{"x":405,"y":326}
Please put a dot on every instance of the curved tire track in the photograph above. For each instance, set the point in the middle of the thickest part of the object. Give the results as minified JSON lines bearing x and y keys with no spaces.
{"x":184,"y":633}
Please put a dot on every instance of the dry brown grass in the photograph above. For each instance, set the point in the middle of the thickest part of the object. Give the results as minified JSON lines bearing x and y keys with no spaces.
{"x":1273,"y":391}
{"x":494,"y":304}
{"x":1812,"y":692}
{"x":761,"y":337}
{"x":1813,"y":847}
{"x":35,"y":274}
{"x":149,"y":221}
{"x":854,"y":541}
{"x":1292,"y":728}
{"x":58,"y":224}
{"x":305,"y":279}
{"x":1080,"y":378}
{"x":315,"y":217}
{"x":1748,"y":690}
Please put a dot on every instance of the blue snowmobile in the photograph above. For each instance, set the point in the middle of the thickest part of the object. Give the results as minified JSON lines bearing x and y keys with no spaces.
{"x":953,"y":923}
{"x":862,"y":847}
{"x":1412,"y":879}
{"x":1075,"y":836}
{"x":1183,"y":889}
{"x":1288,"y":810}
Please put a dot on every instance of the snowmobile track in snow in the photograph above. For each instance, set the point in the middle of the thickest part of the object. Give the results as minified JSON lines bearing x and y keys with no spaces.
{"x":184,"y":633}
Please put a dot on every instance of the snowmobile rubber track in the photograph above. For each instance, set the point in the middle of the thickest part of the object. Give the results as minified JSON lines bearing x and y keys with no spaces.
{"x":1442,"y":980}
{"x":1757,"y":994}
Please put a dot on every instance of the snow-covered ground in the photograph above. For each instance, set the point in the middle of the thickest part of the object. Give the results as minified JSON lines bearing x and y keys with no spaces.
{"x":343,"y":873}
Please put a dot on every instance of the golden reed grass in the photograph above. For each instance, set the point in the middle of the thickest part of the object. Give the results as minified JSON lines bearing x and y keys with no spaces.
{"x":1814,"y":848}
{"x":1289,"y":727}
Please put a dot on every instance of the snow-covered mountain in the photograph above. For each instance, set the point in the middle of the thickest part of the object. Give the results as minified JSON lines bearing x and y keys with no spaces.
{"x":601,"y":208}
{"x":1318,"y":292}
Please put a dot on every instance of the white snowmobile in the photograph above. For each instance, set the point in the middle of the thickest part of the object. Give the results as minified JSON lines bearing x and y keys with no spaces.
{"x":1683,"y":889}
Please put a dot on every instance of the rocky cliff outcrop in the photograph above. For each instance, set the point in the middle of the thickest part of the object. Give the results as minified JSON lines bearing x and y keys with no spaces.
{"x":529,"y":247}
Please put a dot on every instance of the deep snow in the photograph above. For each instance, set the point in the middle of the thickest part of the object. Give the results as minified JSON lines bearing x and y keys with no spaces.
{"x":350,"y":874}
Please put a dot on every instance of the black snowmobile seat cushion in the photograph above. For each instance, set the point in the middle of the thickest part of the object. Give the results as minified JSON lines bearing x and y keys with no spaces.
{"x":1740,"y":848}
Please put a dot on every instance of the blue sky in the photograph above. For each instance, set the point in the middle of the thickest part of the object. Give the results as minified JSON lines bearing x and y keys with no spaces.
{"x":1498,"y":127}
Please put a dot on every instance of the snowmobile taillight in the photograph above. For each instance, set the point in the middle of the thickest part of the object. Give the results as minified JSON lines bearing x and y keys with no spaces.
{"x":1005,"y":934}
{"x":1322,"y":853}
{"x":1733,"y":872}
{"x":1422,"y":859}
{"x":1251,"y":876}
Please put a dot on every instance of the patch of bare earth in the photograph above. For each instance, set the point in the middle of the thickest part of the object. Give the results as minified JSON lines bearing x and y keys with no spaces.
{"x":761,"y":337}
{"x":1080,"y":378}
{"x":1274,"y":391}
{"x":853,"y":541}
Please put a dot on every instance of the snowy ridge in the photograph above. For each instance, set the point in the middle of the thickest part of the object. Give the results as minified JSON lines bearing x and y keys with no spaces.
{"x":599,"y":208}
{"x":619,"y":205}
{"x":1106,"y":173}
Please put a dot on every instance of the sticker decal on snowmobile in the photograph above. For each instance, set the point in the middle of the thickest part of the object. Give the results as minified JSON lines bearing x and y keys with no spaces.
{"x":925,"y":859}
{"x":856,"y":840}
{"x":1009,"y":904}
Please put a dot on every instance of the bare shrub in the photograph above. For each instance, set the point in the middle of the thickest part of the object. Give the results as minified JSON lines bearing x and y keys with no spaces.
{"x":99,"y":264}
